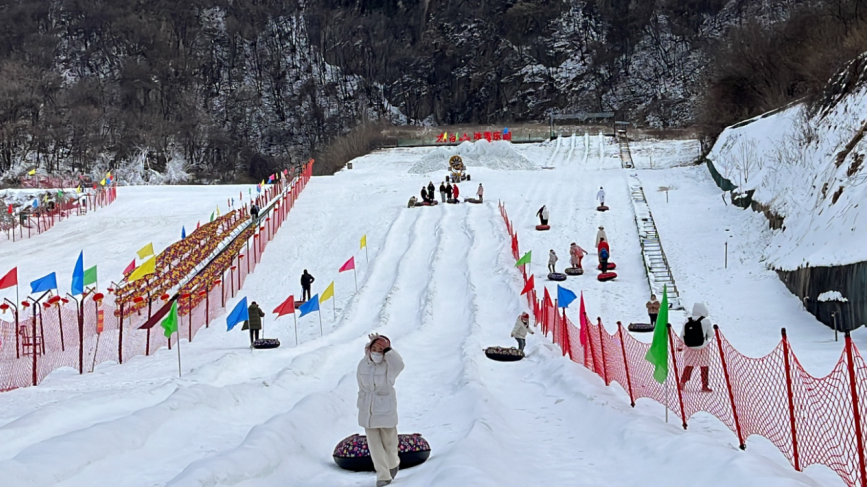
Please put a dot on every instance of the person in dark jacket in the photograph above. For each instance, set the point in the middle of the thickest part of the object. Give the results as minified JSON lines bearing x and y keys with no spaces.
{"x":604,"y":252}
{"x":449,"y":190}
{"x":254,"y":324}
{"x":254,"y":211}
{"x":443,"y":192}
{"x":431,"y":191}
{"x":424,"y":194}
{"x":306,"y":281}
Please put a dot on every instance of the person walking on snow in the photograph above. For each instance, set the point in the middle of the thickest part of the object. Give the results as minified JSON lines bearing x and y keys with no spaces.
{"x":377,"y":405}
{"x":604,"y":253}
{"x":480,"y":193}
{"x":457,"y":192}
{"x":652,"y":309}
{"x":696,"y":335}
{"x":601,"y":196}
{"x":576,"y":254}
{"x":449,"y":190}
{"x":254,"y":323}
{"x":522,"y":327}
{"x":600,"y":236}
{"x":543,"y":215}
{"x":424,"y":194}
{"x":254,"y":211}
{"x":306,"y":281}
{"x":443,"y":192}
{"x":552,"y":261}
{"x":431,"y":191}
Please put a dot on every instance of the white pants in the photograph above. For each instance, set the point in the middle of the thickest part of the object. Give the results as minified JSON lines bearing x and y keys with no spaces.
{"x":382,"y":443}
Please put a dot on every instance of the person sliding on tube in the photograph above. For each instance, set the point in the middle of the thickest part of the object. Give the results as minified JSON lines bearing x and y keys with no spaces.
{"x":306,"y":281}
{"x":424,"y":194}
{"x":601,"y":196}
{"x":576,"y":253}
{"x":543,"y":215}
{"x":552,"y":261}
{"x":522,"y":327}
{"x":604,"y":254}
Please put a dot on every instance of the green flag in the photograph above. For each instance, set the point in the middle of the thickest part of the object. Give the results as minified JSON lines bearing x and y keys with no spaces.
{"x":658,"y":353}
{"x":90,"y":276}
{"x":525,"y":259}
{"x":170,"y":324}
{"x":212,"y":216}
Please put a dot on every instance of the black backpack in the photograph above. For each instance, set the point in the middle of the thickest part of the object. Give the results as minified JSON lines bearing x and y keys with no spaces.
{"x":693,"y":332}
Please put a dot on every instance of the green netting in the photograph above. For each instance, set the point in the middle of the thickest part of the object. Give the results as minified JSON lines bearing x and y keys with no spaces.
{"x":723,"y":183}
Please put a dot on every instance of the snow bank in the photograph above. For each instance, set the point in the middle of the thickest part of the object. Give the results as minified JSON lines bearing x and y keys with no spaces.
{"x":492,"y":155}
{"x":832,"y":296}
{"x":806,"y":164}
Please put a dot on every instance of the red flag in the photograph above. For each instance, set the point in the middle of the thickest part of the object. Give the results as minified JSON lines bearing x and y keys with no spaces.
{"x":531,"y":284}
{"x":129,"y":268}
{"x":287,"y":308}
{"x":10,"y":279}
{"x":349,"y":265}
{"x":547,"y":301}
{"x":10,"y":209}
{"x":197,"y":225}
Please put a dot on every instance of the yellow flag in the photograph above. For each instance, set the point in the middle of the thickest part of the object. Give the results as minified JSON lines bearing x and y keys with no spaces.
{"x":102,"y":182}
{"x":363,"y":241}
{"x":262,"y":183}
{"x":218,"y":210}
{"x":32,"y":172}
{"x":328,"y":294}
{"x":145,"y":269}
{"x":146,"y":251}
{"x":108,"y":175}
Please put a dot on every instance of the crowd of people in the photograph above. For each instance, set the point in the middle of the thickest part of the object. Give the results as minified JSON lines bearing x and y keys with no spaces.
{"x":449,"y":193}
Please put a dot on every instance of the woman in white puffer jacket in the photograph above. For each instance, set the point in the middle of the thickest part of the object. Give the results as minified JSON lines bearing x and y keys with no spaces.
{"x":377,"y":405}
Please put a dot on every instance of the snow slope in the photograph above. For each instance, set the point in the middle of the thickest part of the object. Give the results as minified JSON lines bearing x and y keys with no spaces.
{"x":441,"y":284}
{"x":806,"y":163}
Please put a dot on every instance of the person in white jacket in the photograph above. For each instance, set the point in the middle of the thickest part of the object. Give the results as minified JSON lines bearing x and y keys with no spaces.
{"x":552,"y":261}
{"x":377,"y":405}
{"x":600,"y":235}
{"x":480,"y":193}
{"x":543,"y":215}
{"x":522,"y":327}
{"x":696,"y":335}
{"x":601,"y":196}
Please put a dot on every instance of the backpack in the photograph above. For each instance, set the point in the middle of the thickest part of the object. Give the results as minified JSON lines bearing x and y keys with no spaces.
{"x":603,"y":253}
{"x":693,"y":332}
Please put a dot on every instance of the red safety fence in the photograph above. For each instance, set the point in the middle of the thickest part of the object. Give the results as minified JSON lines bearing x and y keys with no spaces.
{"x":812,"y":420}
{"x":66,"y":332}
{"x":31,"y":222}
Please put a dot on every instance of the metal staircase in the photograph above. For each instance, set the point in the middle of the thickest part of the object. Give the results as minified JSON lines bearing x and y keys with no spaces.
{"x":655,"y":262}
{"x":625,"y":153}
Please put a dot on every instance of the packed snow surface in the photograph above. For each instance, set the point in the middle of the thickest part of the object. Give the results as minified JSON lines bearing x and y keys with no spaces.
{"x":492,"y":155}
{"x":441,"y":283}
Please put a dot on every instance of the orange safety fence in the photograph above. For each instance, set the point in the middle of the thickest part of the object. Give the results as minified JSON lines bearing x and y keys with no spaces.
{"x":811,"y":420}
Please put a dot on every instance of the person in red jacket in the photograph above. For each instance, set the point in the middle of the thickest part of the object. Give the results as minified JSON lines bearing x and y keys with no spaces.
{"x":457,"y":192}
{"x":604,"y":253}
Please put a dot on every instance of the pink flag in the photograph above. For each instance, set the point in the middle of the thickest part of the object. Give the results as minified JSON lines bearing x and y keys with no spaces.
{"x":349,"y":265}
{"x":583,"y":321}
{"x":129,"y":268}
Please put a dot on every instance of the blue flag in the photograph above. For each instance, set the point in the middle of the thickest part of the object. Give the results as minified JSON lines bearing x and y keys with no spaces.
{"x":238,"y":315}
{"x":183,"y":233}
{"x":36,"y":203}
{"x":46,"y":283}
{"x":506,"y":130}
{"x":565,"y":297}
{"x":78,"y":276}
{"x":310,"y":306}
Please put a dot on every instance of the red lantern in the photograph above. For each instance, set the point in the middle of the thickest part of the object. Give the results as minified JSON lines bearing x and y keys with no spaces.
{"x":165,"y":297}
{"x":137,"y":299}
{"x":98,"y":297}
{"x":26,"y":304}
{"x":4,"y":307}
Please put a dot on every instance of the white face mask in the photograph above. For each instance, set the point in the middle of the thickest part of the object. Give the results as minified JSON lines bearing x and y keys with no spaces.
{"x":376,"y":357}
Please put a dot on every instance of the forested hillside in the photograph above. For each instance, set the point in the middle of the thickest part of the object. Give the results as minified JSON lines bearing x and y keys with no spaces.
{"x":231,"y":89}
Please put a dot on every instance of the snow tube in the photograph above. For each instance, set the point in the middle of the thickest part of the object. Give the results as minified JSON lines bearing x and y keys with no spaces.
{"x":556,"y":276}
{"x":473,"y":200}
{"x":611,"y":266}
{"x":501,"y":354}
{"x":266,"y":343}
{"x":574,"y":271}
{"x":607,"y":276}
{"x":417,"y":204}
{"x":352,"y":453}
{"x":453,"y":201}
{"x":542,"y":228}
{"x":640,"y":327}
{"x":299,"y":303}
{"x":431,"y":203}
{"x":601,"y":208}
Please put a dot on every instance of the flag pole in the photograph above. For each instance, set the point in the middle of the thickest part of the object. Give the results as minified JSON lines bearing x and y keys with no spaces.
{"x":295,"y":317}
{"x":666,"y":399}
{"x":333,"y":309}
{"x":320,"y":322}
{"x":365,"y":252}
{"x":179,"y":350}
{"x":355,"y":273}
